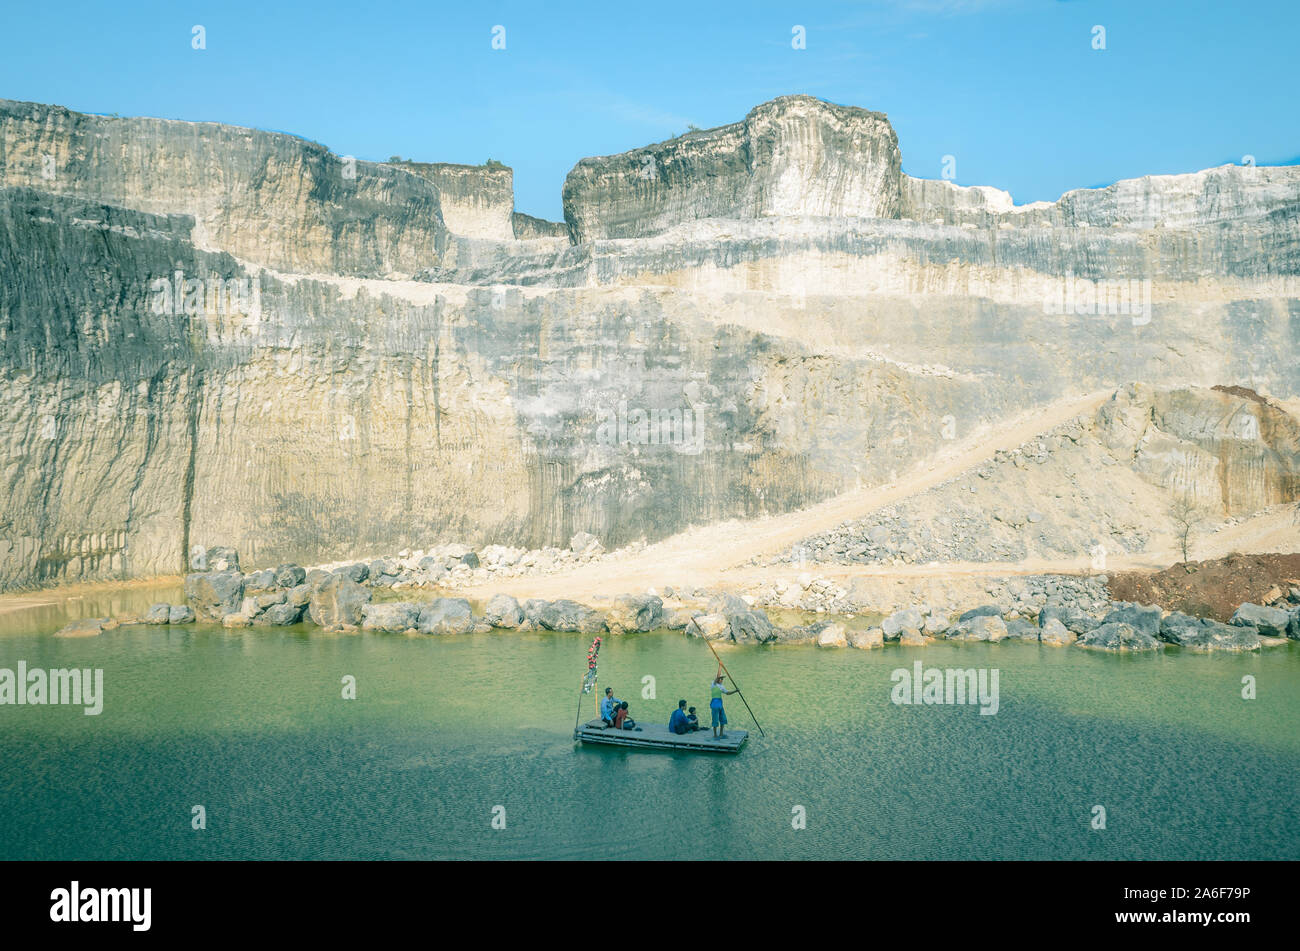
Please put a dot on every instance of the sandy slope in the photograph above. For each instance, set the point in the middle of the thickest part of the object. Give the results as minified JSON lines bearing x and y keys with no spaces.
{"x":716,"y":555}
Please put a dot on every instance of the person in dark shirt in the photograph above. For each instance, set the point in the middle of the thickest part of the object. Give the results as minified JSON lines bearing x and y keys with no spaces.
{"x":692,"y":721}
{"x":678,"y":722}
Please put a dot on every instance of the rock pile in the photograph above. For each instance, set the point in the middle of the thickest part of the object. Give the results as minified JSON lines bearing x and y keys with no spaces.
{"x":983,"y":515}
{"x":457,"y":565}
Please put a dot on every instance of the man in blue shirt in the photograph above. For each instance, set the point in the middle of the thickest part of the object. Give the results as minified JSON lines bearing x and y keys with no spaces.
{"x":608,"y":705}
{"x":678,"y":722}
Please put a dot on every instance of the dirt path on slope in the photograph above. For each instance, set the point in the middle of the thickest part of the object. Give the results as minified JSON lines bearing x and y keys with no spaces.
{"x":718,"y":554}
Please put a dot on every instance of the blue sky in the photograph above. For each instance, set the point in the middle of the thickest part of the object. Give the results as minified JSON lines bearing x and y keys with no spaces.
{"x":1011,"y":88}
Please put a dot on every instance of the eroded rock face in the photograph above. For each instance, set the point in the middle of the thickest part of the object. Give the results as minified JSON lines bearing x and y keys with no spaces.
{"x":263,"y":196}
{"x":792,"y":156}
{"x":477,"y":201}
{"x":1228,"y":452}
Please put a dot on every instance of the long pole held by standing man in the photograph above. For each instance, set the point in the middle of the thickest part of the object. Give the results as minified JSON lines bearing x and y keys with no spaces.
{"x":738,"y":693}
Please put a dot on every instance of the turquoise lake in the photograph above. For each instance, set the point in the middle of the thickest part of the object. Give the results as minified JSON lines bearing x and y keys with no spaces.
{"x":251,"y":724}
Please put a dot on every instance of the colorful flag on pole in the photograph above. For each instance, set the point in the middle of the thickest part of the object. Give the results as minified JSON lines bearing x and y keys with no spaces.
{"x":589,"y":682}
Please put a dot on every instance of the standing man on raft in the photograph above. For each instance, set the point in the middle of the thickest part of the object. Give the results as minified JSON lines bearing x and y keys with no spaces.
{"x":715,"y":705}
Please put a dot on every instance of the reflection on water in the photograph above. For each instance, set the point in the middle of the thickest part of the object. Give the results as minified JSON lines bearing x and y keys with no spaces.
{"x":252,"y":725}
{"x":46,"y":612}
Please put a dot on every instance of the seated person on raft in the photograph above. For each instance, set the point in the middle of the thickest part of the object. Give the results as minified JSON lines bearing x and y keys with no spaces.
{"x":621,"y":720}
{"x":609,"y":706}
{"x":679,"y":723}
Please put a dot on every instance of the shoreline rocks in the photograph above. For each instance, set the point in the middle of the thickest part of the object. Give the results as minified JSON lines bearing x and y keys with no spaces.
{"x":341,"y":599}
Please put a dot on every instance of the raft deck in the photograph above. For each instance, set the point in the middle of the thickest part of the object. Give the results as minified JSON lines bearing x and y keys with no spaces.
{"x":656,"y":736}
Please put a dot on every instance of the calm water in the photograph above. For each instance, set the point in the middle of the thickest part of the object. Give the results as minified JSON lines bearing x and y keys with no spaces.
{"x":251,"y":725}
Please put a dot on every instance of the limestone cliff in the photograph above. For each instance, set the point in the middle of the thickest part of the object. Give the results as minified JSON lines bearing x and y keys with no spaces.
{"x":208,"y":335}
{"x":793,"y":156}
{"x":477,"y":200}
{"x":263,"y":196}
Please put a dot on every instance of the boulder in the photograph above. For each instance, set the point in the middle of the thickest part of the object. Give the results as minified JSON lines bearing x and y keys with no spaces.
{"x":678,"y":618}
{"x":1075,"y":622}
{"x":85,"y":627}
{"x":799,"y":634}
{"x":1021,"y":630}
{"x":980,"y":627}
{"x":338,"y":601}
{"x":214,"y":594}
{"x":1056,"y":634}
{"x":585,"y":543}
{"x":281,"y":615}
{"x":985,"y":610}
{"x":446,"y":616}
{"x":259,"y":582}
{"x":635,"y":613}
{"x":503,"y":611}
{"x":299,"y":595}
{"x":908,"y":618}
{"x":392,"y":617}
{"x":911,"y":637}
{"x":727,"y":604}
{"x":751,"y":627}
{"x":236,"y":619}
{"x":180,"y":614}
{"x":866,"y":640}
{"x":158,"y":614}
{"x":936,"y":624}
{"x":289,"y":576}
{"x":565,"y":615}
{"x":1271,"y":622}
{"x":221,"y":559}
{"x":1203,"y":634}
{"x":1140,"y":617}
{"x":356,"y":572}
{"x":264,"y":601}
{"x":1117,"y":636}
{"x":830,"y":634}
{"x":711,"y":627}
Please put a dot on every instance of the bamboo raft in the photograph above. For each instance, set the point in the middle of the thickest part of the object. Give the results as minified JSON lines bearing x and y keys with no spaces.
{"x":656,"y":736}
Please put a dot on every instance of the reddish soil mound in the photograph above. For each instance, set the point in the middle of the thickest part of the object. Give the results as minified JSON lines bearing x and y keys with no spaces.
{"x":1243,"y":392}
{"x":1213,"y":589}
